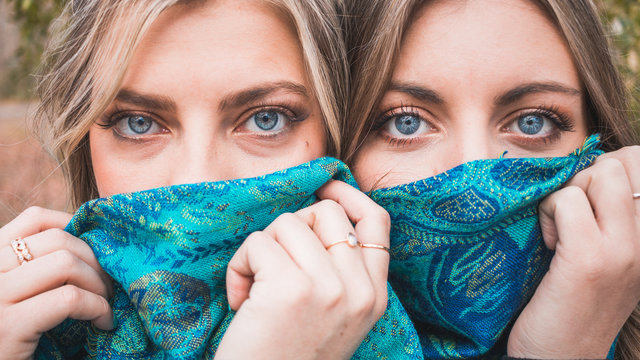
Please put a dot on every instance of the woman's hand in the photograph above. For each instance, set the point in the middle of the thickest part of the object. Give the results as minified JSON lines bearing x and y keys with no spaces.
{"x":62,"y":280}
{"x":593,"y":283}
{"x":296,"y":299}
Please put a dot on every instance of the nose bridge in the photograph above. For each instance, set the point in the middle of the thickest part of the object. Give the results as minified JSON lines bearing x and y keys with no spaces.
{"x":470,"y":137}
{"x":197,"y":157}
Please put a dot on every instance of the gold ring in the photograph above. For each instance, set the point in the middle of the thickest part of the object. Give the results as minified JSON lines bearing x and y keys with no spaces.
{"x":375,"y":246}
{"x":636,"y":196}
{"x":21,"y":250}
{"x":351,"y":240}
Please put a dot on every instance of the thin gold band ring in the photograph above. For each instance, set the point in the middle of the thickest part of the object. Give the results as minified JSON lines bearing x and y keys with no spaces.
{"x":353,"y":242}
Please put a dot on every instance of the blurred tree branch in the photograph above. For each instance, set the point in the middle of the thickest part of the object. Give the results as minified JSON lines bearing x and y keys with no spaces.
{"x":32,"y":18}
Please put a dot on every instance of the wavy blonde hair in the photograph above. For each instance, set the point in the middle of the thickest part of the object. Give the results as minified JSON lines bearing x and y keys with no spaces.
{"x":93,"y":42}
{"x":374,"y":35}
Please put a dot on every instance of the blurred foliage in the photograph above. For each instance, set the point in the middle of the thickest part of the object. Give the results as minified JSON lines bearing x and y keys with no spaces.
{"x":622,"y":18}
{"x":32,"y":18}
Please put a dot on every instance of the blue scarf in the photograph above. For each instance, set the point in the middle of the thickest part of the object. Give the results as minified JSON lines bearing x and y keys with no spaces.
{"x":466,"y":248}
{"x":167,"y":250}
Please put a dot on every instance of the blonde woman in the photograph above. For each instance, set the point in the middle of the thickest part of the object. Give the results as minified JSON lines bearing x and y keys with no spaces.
{"x":142,"y":94}
{"x":441,"y":83}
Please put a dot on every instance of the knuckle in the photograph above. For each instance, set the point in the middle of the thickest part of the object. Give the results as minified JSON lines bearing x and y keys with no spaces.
{"x":333,"y":295}
{"x":382,"y":217}
{"x":286,"y":218}
{"x":58,"y":236}
{"x":364,"y":305}
{"x":610,"y":166}
{"x":300,"y":291}
{"x":69,"y":296}
{"x":64,"y":259}
{"x":568,"y":195}
{"x":594,"y":267}
{"x":329,"y":205}
{"x":629,"y":154}
{"x":33,"y":212}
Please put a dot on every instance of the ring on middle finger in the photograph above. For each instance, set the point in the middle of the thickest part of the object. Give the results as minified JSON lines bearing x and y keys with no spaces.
{"x":350,"y":240}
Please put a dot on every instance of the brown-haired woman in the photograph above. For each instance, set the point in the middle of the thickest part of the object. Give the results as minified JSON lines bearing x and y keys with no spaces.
{"x":440,"y":83}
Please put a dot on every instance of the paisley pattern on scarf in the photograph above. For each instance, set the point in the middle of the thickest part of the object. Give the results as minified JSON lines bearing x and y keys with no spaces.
{"x":466,"y":248}
{"x":167,"y":250}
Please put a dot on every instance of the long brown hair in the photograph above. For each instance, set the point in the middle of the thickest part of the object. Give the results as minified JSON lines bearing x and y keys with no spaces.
{"x":90,"y":49}
{"x":375,"y":30}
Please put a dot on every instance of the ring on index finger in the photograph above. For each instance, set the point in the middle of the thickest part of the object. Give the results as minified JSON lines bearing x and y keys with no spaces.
{"x":636,"y":196}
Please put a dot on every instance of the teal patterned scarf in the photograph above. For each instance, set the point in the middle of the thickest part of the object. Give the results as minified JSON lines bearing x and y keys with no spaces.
{"x":466,"y":248}
{"x":167,"y":250}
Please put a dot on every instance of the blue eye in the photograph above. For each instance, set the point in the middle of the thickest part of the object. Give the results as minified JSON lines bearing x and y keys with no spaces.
{"x":531,"y":124}
{"x":407,"y":124}
{"x":266,"y":120}
{"x":270,"y":121}
{"x":134,"y":126}
{"x":139,"y":124}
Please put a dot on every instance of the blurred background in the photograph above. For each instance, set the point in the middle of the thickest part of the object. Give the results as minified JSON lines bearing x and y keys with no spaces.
{"x":28,"y":176}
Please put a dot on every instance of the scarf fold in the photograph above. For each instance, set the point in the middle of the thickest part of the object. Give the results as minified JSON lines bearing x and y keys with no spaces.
{"x":167,"y":250}
{"x":466,"y":248}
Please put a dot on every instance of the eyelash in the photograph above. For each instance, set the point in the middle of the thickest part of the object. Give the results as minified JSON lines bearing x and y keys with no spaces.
{"x":283,"y":107}
{"x":111,"y":118}
{"x":384,"y":116}
{"x":561,"y":121}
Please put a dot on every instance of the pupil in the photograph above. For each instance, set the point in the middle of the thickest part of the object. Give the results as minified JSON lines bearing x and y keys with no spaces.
{"x":407,"y":124}
{"x":139,"y":124}
{"x":531,"y":124}
{"x":266,"y":120}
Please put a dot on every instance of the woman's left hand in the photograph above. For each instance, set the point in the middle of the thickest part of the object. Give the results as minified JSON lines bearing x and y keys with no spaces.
{"x":593,"y":283}
{"x":298,"y":296}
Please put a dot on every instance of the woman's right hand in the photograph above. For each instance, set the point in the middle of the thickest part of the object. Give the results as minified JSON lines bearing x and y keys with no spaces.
{"x":63,"y":280}
{"x":296,"y":299}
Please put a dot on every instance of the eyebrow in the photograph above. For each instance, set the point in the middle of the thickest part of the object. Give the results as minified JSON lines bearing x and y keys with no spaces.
{"x":156,"y":102}
{"x":521,"y":91}
{"x":418,"y":92}
{"x":260,"y":92}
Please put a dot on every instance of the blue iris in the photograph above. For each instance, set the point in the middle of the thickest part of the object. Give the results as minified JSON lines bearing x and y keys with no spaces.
{"x":140,"y":124}
{"x":266,"y":120}
{"x":531,"y":124}
{"x":407,"y":124}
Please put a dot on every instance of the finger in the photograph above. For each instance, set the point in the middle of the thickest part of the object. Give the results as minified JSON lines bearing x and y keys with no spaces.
{"x":47,"y":273}
{"x":630,"y":158}
{"x":301,"y":243}
{"x":32,"y":221}
{"x":45,"y":311}
{"x":609,"y":192}
{"x":372,"y":224}
{"x":258,"y":258}
{"x":330,"y":223}
{"x":49,"y":241}
{"x":566,"y":215}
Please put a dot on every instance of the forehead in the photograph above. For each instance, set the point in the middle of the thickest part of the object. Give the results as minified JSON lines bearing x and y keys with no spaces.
{"x":216,"y":44}
{"x":479,"y":41}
